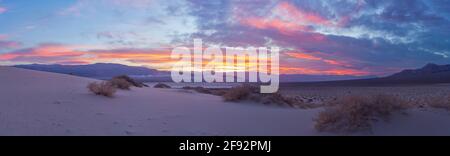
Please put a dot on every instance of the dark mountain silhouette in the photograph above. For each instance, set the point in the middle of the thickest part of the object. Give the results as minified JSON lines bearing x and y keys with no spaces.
{"x":108,"y":70}
{"x":429,"y":74}
{"x":99,"y":70}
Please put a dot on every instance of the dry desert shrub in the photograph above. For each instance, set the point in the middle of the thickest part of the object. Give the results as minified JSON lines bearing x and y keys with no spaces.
{"x":121,"y":83}
{"x":238,"y":93}
{"x":212,"y":91}
{"x":356,"y":113}
{"x":161,"y":85}
{"x":440,"y":102}
{"x":278,"y":98}
{"x":251,"y":93}
{"x":131,"y":81}
{"x":202,"y":90}
{"x":102,"y":88}
{"x":188,"y":88}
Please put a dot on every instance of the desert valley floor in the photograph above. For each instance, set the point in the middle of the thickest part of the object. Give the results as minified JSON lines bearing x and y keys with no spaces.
{"x":41,"y":103}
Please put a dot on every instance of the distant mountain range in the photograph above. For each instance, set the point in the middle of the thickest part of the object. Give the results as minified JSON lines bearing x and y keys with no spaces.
{"x":99,"y":70}
{"x":431,"y":73}
{"x":108,"y":70}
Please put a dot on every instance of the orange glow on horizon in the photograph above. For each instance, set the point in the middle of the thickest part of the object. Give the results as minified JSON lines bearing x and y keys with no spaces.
{"x":161,"y":60}
{"x":298,"y":70}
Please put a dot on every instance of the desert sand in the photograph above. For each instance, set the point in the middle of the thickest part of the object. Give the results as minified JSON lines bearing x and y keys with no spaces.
{"x":41,"y":103}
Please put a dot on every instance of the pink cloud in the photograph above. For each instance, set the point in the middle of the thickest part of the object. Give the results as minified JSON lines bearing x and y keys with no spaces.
{"x":42,"y":51}
{"x":5,"y":44}
{"x":286,"y":18}
{"x":318,"y":62}
{"x":290,"y":11}
{"x":3,"y":10}
{"x":64,"y":54}
{"x":280,"y":25}
{"x":315,"y":56}
{"x":3,"y":37}
{"x":9,"y":44}
{"x":303,"y":56}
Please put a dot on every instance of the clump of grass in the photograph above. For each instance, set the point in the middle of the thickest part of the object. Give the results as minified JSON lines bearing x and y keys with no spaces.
{"x":187,"y":88}
{"x":199,"y":89}
{"x":238,"y":93}
{"x":278,"y":98}
{"x":131,"y":81}
{"x":440,"y":102}
{"x":108,"y":88}
{"x":121,"y":83}
{"x":161,"y":85}
{"x":251,"y":93}
{"x":103,"y":88}
{"x":212,"y":91}
{"x":356,"y":113}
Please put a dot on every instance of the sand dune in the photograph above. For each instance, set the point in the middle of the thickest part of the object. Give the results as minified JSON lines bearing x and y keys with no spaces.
{"x":41,"y":103}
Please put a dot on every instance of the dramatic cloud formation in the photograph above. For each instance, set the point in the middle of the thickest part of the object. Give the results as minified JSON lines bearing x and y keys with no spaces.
{"x":58,"y":53}
{"x":356,"y":37}
{"x":374,"y":36}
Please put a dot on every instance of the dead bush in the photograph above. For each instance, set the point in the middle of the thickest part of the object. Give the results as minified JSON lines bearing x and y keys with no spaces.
{"x":277,"y":98}
{"x":187,"y":88}
{"x":238,"y":93}
{"x":440,"y":102}
{"x":202,"y":90}
{"x":356,"y":113}
{"x":250,"y":92}
{"x":212,"y":91}
{"x":131,"y":81}
{"x":161,"y":85}
{"x":121,"y":83}
{"x":218,"y":92}
{"x":102,"y":88}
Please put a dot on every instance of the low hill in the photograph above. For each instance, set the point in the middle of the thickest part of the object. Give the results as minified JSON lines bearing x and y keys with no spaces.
{"x":429,"y":74}
{"x":99,"y":70}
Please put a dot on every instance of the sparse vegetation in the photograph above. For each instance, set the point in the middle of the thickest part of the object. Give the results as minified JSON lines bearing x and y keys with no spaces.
{"x":121,"y":83}
{"x":356,"y":113}
{"x":131,"y":81}
{"x":440,"y":102}
{"x":212,"y":91}
{"x":238,"y":93}
{"x":161,"y":85}
{"x":102,"y":88}
{"x":278,"y":98}
{"x":108,"y":88}
{"x":249,"y":92}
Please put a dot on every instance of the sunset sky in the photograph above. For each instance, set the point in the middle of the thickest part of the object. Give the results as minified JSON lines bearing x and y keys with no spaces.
{"x":332,"y":37}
